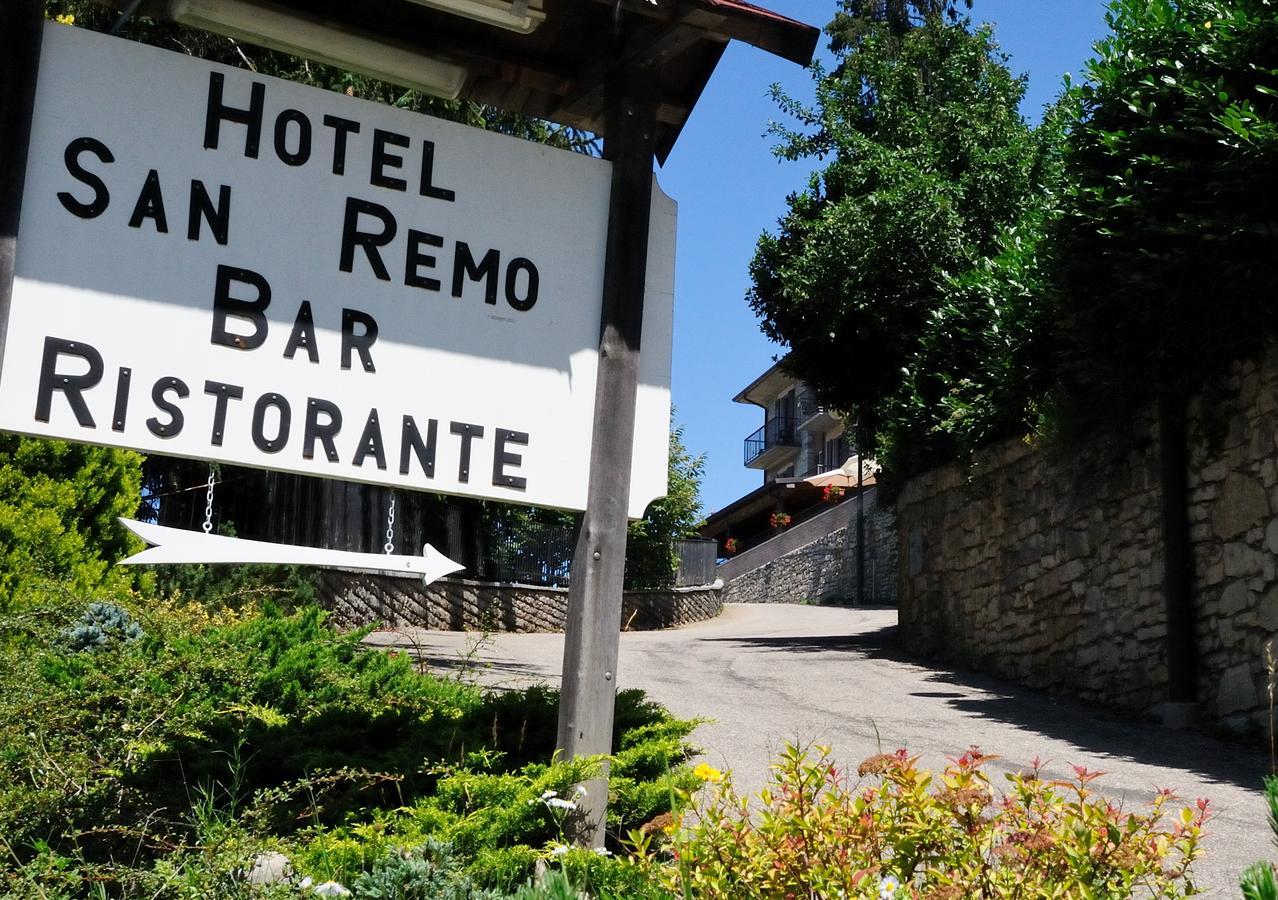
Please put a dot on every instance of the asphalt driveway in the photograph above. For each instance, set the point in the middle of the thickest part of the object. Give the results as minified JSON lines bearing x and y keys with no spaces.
{"x":773,"y":673}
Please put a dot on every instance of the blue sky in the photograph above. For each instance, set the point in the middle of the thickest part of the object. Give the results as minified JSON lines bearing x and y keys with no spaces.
{"x":730,"y":188}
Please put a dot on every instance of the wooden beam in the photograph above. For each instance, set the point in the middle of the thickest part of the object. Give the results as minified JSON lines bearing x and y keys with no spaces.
{"x":643,"y":8}
{"x":21,"y":30}
{"x":593,"y":629}
{"x":760,"y":28}
{"x":652,"y":47}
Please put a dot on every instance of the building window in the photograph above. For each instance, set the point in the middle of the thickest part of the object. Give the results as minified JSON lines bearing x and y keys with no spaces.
{"x":835,"y":453}
{"x":784,"y":407}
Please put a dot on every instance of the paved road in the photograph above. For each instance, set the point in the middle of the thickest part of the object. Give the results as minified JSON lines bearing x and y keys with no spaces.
{"x":771,"y":673}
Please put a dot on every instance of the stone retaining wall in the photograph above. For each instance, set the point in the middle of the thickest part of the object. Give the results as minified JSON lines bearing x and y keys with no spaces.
{"x":821,"y":569}
{"x":1047,"y":568}
{"x":456,"y":604}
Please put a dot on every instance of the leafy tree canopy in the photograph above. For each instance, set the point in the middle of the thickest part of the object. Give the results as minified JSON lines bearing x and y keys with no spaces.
{"x":857,"y":18}
{"x":900,"y":278}
{"x":58,"y":506}
{"x":651,"y":555}
{"x":1164,"y":253}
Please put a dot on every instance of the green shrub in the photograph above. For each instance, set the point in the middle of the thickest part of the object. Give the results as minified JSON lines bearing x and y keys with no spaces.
{"x":652,"y":559}
{"x":216,"y":733}
{"x":1170,"y":174}
{"x":430,"y":872}
{"x":101,"y":624}
{"x":58,"y":509}
{"x":900,"y":831}
{"x":1260,"y":881}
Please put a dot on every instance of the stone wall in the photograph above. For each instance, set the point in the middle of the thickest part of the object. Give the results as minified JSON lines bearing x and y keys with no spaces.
{"x":456,"y":604}
{"x":819,"y":569}
{"x":1047,"y":568}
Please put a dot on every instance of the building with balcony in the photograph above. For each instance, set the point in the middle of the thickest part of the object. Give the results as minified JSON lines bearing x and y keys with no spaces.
{"x":796,"y":538}
{"x":799,"y":437}
{"x":797,"y":440}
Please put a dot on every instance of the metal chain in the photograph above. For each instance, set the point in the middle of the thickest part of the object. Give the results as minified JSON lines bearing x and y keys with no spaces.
{"x":390,"y":527}
{"x":208,"y":505}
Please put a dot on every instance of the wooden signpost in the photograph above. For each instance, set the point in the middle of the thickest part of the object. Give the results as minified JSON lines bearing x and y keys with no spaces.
{"x":593,"y":635}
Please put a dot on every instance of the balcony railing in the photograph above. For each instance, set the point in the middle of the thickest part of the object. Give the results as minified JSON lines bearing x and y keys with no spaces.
{"x":812,"y":413}
{"x":778,"y":432}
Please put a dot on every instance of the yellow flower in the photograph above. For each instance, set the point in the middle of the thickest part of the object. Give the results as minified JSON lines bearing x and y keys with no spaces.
{"x":1207,"y":24}
{"x":707,"y":773}
{"x":65,"y":19}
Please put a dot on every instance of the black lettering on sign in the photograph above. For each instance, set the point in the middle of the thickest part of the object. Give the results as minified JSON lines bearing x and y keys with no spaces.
{"x":358,"y":342}
{"x":150,"y":205}
{"x":416,"y":259}
{"x":370,"y":442}
{"x":251,"y":311}
{"x":101,"y":196}
{"x":173,"y":427}
{"x":303,"y":153}
{"x":202,"y":208}
{"x":369,"y":241}
{"x":218,"y":112}
{"x":121,"y":399}
{"x":325,"y":431}
{"x":428,"y":188}
{"x":280,"y":405}
{"x":529,"y":299}
{"x":503,"y":458}
{"x":303,"y":334}
{"x":341,"y":128}
{"x":411,"y":441}
{"x":382,"y":159}
{"x":467,"y":433}
{"x":222,"y":395}
{"x":464,"y":266}
{"x":72,"y":386}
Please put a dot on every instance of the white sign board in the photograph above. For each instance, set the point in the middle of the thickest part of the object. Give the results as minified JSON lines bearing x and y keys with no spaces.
{"x":220,"y":265}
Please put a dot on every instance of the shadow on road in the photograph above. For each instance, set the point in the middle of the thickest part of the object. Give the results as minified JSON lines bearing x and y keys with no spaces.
{"x":1092,"y":728}
{"x":877,"y":644}
{"x":1108,"y":731}
{"x":454,"y":665}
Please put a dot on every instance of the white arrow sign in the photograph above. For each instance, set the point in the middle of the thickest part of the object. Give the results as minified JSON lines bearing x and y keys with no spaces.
{"x":178,"y":545}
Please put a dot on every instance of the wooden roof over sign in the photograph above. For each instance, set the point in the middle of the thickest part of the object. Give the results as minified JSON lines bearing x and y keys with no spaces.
{"x":556,"y":70}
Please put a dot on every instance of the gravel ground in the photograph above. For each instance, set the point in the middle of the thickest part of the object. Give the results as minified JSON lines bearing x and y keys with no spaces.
{"x":773,"y":673}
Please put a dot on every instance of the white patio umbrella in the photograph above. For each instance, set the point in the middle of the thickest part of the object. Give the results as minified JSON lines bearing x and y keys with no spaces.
{"x":845,"y":476}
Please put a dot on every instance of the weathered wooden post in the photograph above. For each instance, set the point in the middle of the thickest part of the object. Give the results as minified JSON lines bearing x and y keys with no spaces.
{"x":593,"y":630}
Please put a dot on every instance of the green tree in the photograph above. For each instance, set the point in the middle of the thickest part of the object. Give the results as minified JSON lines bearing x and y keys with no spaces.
{"x":856,"y":18}
{"x":651,"y":553}
{"x":902,"y":279}
{"x":58,"y":509}
{"x":1164,"y":250}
